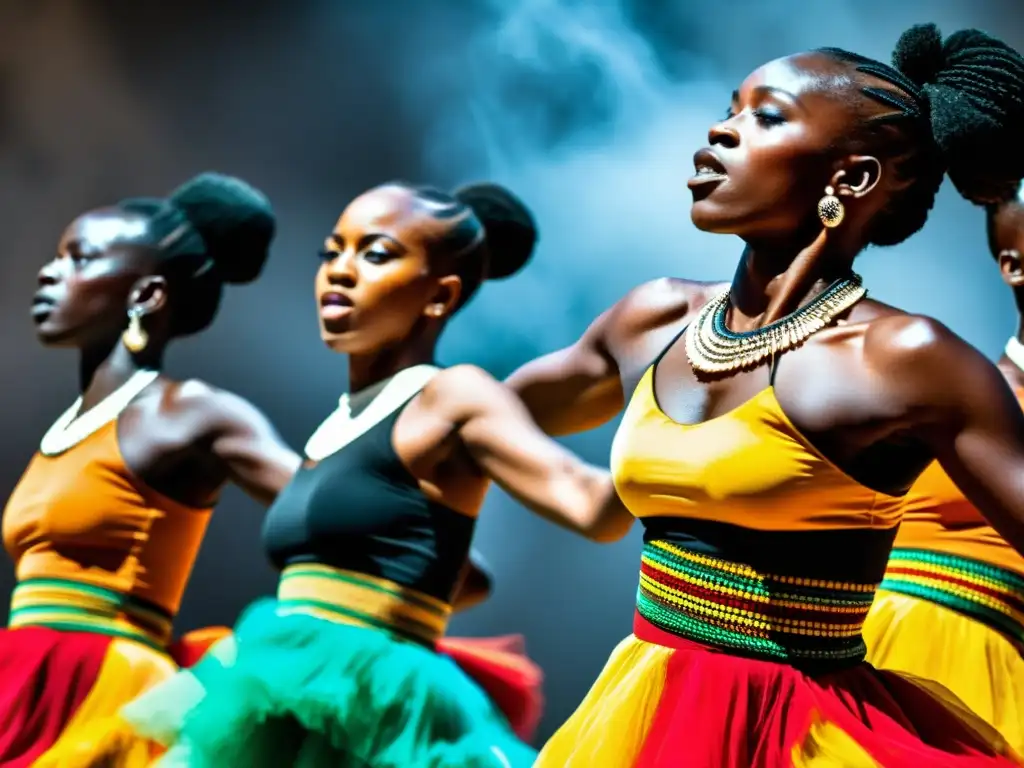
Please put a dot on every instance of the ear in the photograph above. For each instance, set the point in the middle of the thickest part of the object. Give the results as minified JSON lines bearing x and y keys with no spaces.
{"x":149,"y":294}
{"x":1010,"y":267}
{"x":859,"y":175}
{"x":445,"y":298}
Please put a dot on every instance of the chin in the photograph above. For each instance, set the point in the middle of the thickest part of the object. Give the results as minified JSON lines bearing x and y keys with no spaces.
{"x":707,"y":218}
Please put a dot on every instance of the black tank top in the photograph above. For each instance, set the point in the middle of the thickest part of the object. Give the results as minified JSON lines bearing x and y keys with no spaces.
{"x":360,"y":509}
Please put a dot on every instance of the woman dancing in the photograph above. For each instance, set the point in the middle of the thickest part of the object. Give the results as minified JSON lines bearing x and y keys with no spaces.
{"x":371,"y":535}
{"x":951,"y":606}
{"x":106,"y":522}
{"x":773,"y":426}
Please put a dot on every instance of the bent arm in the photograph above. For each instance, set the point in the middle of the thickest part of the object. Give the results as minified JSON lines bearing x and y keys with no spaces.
{"x":254,"y":455}
{"x":574,"y":389}
{"x":510,"y":449}
{"x":475,"y":585}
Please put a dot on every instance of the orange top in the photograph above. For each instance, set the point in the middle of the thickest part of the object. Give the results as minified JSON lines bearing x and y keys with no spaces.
{"x":937,"y":517}
{"x":749,"y":467}
{"x":82,"y":516}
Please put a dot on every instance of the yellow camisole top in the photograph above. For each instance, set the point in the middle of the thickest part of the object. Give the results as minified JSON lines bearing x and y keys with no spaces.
{"x":754,"y":542}
{"x":95,"y":549}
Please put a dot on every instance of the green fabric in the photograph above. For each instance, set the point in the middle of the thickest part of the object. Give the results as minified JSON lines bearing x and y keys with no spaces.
{"x":295,"y":690}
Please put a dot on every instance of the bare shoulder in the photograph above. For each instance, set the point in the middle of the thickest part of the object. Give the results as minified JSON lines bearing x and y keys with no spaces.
{"x":197,"y":402}
{"x":464,"y":390}
{"x":657,"y":303}
{"x":923,"y":360}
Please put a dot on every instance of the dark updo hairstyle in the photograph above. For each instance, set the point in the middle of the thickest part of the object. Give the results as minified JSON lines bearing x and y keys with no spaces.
{"x":958,"y":110}
{"x":1016,"y":200}
{"x":490,"y":235}
{"x":212,"y":230}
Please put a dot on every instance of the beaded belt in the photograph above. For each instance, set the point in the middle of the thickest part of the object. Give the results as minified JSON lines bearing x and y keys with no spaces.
{"x":731,"y":605}
{"x":76,"y":607}
{"x":355,"y":598}
{"x":989,"y":594}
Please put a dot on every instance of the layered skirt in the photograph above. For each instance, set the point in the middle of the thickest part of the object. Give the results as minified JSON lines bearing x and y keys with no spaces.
{"x":731,"y":668}
{"x":959,"y":622}
{"x":73,"y":655}
{"x":340,"y":670}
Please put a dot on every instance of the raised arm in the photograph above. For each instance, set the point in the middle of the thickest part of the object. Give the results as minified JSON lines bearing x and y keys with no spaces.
{"x":253,"y":454}
{"x":574,"y":389}
{"x":510,"y":448}
{"x":972,"y":422}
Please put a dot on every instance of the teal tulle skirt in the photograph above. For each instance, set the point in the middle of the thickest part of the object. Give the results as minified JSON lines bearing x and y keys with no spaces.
{"x":296,"y":690}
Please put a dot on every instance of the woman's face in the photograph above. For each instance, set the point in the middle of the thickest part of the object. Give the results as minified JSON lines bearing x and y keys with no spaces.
{"x":771,"y":158}
{"x":375,"y":285}
{"x":83,"y":292}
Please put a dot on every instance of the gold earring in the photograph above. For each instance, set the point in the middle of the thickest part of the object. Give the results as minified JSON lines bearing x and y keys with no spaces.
{"x":135,"y":337}
{"x":830,"y":209}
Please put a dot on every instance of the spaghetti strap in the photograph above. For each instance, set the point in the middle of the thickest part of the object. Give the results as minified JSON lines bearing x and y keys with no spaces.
{"x":773,"y":366}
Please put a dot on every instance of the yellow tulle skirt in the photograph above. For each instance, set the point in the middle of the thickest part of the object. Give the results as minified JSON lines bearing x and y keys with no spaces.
{"x":979,"y":664}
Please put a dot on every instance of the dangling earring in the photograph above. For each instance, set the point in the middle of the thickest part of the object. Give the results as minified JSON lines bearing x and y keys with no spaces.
{"x":135,"y":336}
{"x":830,"y":209}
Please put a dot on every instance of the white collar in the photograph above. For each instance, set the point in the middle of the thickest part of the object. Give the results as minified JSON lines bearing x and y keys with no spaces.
{"x":1015,"y":351}
{"x":71,"y":428}
{"x":340,"y":428}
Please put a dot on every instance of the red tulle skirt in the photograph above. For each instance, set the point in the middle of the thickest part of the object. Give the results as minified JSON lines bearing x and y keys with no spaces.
{"x":54,"y":683}
{"x":501,"y":667}
{"x":666,"y":702}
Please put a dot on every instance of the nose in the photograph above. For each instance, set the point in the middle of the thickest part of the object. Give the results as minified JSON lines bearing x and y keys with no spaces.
{"x":342,"y":271}
{"x":49,"y":274}
{"x":724,"y":134}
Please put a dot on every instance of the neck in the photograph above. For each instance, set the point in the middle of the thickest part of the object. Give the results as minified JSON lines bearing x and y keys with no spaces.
{"x":1010,"y":370}
{"x":772,"y":282}
{"x":103,"y":370}
{"x":369,"y":369}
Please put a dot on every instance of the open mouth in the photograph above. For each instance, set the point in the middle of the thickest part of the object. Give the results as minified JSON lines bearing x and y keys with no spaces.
{"x":707,"y":167}
{"x":42,"y":307}
{"x":334,"y":305}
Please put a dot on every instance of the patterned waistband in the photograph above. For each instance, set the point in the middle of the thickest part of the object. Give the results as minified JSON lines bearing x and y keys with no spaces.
{"x":76,"y":607}
{"x":348,"y":597}
{"x":986,"y":593}
{"x":732,"y":606}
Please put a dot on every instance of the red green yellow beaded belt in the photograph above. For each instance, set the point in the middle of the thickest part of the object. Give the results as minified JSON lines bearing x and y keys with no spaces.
{"x":732,"y":606}
{"x":989,"y":594}
{"x":76,"y":607}
{"x":355,"y":598}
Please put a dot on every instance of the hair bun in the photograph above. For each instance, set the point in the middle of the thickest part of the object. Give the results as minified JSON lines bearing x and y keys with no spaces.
{"x":920,"y":55}
{"x":234,"y":219}
{"x":510,"y":227}
{"x":974,"y":86}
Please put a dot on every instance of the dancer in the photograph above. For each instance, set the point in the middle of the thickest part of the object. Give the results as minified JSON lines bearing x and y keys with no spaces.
{"x":106,"y":522}
{"x":951,"y":606}
{"x":340,"y":669}
{"x":773,"y":426}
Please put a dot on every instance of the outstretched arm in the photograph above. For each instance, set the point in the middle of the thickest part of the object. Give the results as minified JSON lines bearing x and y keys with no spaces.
{"x":510,"y":448}
{"x":574,"y":389}
{"x":254,"y":455}
{"x":971,"y":420}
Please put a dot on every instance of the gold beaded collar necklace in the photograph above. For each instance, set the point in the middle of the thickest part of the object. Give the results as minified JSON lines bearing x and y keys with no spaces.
{"x":713,"y":349}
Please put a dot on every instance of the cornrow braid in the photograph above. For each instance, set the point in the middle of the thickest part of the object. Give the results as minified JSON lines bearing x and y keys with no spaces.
{"x":952,"y":101}
{"x":489,"y":232}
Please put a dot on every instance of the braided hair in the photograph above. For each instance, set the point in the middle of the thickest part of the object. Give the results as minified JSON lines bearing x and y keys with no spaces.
{"x":952,"y":102}
{"x":490,"y":232}
{"x":212,"y":230}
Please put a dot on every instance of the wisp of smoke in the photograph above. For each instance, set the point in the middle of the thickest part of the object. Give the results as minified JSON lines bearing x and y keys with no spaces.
{"x":571,"y":107}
